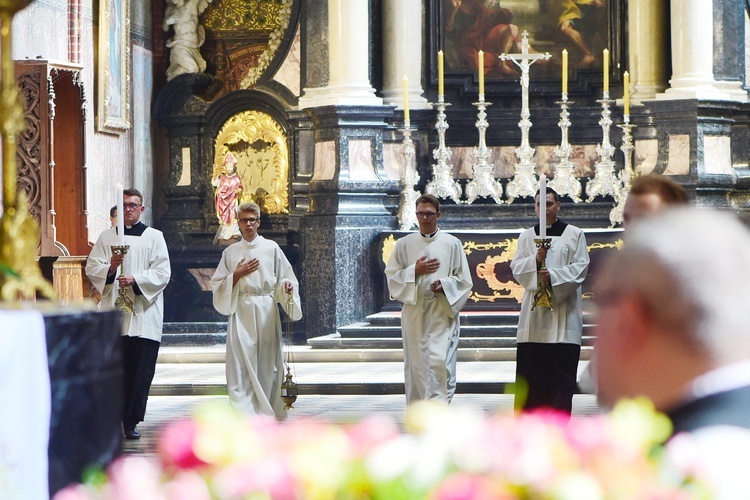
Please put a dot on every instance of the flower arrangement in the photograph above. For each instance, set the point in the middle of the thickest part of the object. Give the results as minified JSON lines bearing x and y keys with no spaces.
{"x":443,"y":453}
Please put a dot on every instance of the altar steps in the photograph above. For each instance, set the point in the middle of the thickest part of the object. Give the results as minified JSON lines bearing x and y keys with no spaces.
{"x":479,"y":330}
{"x":360,"y":359}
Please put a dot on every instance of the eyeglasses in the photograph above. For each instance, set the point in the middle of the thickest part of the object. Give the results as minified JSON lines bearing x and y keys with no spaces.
{"x":248,"y":220}
{"x":426,"y":215}
{"x":131,"y":206}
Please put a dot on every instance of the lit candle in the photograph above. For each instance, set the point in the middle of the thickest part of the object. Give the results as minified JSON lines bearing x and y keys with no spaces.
{"x":120,"y":216}
{"x":565,"y":71}
{"x":406,"y":98}
{"x":606,"y":70}
{"x":542,"y":206}
{"x":441,"y":89}
{"x":626,"y":92}
{"x":480,"y":69}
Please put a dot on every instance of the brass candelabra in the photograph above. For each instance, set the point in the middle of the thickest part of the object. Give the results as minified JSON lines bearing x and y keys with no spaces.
{"x":543,"y":296}
{"x":123,"y":302}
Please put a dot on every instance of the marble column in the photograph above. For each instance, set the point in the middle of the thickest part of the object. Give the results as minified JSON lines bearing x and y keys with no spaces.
{"x":729,"y":50}
{"x":648,"y":46}
{"x":693,"y":52}
{"x":402,"y":52}
{"x":348,"y":59}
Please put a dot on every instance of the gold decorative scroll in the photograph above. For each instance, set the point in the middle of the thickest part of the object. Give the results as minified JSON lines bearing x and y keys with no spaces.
{"x":388,"y":245}
{"x":259,"y":144}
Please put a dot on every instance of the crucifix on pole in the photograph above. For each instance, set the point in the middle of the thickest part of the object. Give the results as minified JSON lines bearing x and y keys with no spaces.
{"x":523,"y":183}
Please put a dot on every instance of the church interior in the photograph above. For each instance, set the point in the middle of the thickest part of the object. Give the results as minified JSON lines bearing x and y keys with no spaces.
{"x":309,"y":96}
{"x":335,"y":115}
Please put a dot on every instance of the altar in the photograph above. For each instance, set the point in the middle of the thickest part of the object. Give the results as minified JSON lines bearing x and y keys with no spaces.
{"x":489,"y":253}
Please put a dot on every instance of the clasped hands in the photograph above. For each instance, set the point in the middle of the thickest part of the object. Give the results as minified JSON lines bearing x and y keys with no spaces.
{"x":124,"y":280}
{"x":428,"y":266}
{"x":541,"y":255}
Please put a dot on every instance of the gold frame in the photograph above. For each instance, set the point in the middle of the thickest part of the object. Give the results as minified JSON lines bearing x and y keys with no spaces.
{"x":113,"y":104}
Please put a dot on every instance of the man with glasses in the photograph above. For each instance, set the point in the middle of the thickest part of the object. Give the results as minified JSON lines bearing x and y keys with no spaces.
{"x":428,"y":272}
{"x":549,"y":338}
{"x":252,"y":277}
{"x":144,"y":275}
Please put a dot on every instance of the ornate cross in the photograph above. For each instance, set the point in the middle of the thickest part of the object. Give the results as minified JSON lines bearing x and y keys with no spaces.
{"x":523,"y":183}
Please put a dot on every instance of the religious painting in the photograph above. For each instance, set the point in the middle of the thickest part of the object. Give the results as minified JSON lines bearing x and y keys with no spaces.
{"x":464,"y":27}
{"x":113,"y":89}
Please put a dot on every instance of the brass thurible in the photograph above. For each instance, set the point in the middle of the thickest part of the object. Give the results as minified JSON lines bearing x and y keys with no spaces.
{"x":289,"y":389}
{"x":123,"y":302}
{"x":543,"y":296}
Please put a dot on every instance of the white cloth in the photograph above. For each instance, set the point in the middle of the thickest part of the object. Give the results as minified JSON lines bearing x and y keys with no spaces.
{"x":429,"y":322}
{"x":567,"y":262}
{"x":147,"y":260}
{"x":254,"y":363}
{"x":26,"y":395}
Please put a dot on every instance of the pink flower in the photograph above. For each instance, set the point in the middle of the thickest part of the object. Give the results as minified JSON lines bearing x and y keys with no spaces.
{"x":74,"y":492}
{"x":176,"y":445}
{"x":372,"y":431}
{"x":467,"y":487}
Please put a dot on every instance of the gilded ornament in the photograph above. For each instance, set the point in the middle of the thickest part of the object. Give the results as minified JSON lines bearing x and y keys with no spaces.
{"x":259,"y":146}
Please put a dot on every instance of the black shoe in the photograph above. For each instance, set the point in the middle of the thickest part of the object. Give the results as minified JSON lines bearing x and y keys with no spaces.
{"x":132,"y":433}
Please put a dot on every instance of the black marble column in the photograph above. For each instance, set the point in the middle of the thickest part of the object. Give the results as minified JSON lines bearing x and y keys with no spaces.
{"x":85,"y":367}
{"x":729,"y":40}
{"x":338,"y":234}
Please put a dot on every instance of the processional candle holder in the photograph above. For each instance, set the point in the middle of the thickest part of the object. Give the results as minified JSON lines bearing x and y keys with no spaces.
{"x":407,"y":218}
{"x":605,"y":181}
{"x":289,"y":389}
{"x":443,"y":185}
{"x":625,"y":177}
{"x":543,"y":296}
{"x":564,"y":181}
{"x":483,"y":183}
{"x":123,"y":302}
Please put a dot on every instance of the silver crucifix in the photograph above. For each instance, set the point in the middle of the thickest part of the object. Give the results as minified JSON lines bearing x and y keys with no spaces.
{"x":523,"y":183}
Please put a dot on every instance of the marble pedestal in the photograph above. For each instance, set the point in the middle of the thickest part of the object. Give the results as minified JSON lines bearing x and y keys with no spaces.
{"x":85,"y":368}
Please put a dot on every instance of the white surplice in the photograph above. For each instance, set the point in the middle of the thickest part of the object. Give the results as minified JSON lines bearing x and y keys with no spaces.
{"x":567,"y":262}
{"x":429,"y":322}
{"x":147,"y":260}
{"x":254,"y":363}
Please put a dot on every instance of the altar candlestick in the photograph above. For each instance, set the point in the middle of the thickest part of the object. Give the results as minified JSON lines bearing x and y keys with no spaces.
{"x":406,"y":98}
{"x":565,"y":71}
{"x":626,"y":92}
{"x":480,"y":69}
{"x":441,"y":89}
{"x":606,"y":70}
{"x":542,"y":206}
{"x":120,"y":216}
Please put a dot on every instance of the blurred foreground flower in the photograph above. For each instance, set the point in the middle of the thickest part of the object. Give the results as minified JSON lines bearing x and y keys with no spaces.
{"x":444,"y":453}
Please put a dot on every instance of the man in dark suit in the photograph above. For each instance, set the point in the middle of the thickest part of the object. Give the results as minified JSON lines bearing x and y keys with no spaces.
{"x":673,"y":319}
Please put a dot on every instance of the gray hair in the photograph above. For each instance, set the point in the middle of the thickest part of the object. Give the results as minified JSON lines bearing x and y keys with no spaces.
{"x":249,"y":207}
{"x":691,"y":266}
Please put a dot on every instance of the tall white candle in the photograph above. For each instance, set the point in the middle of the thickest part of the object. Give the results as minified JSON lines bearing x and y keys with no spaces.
{"x":542,"y":206}
{"x":120,"y":216}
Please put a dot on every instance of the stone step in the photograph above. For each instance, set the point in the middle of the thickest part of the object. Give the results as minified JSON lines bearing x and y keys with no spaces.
{"x":308,"y":354}
{"x":334,"y":378}
{"x":362,"y":330}
{"x":339,"y":341}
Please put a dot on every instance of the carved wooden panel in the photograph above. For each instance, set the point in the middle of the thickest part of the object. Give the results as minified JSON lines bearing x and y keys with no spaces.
{"x":52,"y":144}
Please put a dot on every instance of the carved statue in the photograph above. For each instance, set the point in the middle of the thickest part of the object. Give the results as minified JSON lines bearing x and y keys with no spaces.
{"x":189,"y":35}
{"x":228,"y":194}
